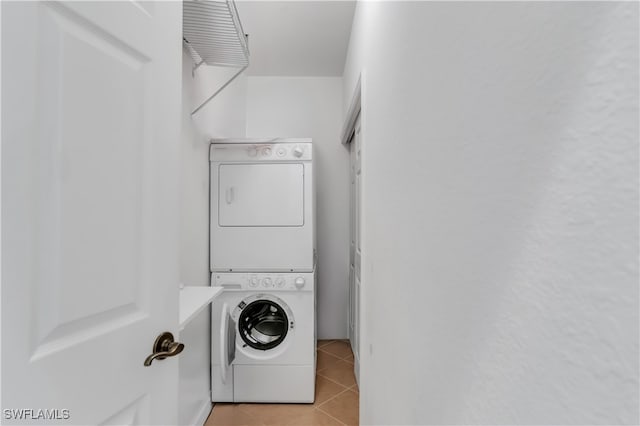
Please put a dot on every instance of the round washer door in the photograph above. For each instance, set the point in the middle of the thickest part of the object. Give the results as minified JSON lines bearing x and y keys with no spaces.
{"x":264,"y":321}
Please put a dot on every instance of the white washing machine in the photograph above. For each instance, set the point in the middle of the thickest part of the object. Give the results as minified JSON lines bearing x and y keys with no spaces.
{"x":262,"y":205}
{"x":264,"y":337}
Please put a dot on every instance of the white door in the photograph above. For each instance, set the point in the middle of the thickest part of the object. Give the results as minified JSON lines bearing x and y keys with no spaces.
{"x":261,"y":194}
{"x":90,"y":131}
{"x":352,"y":241}
{"x":355,"y":251}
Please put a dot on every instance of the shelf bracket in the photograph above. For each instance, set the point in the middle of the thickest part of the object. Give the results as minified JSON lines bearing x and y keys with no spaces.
{"x":195,"y":67}
{"x":219,"y":90}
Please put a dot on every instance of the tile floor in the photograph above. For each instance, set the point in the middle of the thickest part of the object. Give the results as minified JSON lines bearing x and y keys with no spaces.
{"x":336,"y":397}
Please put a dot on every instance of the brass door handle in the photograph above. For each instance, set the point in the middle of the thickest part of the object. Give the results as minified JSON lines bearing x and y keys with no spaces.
{"x":164,"y":347}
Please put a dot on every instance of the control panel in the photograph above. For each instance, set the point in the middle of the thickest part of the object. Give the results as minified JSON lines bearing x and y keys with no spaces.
{"x":258,"y":152}
{"x":263,"y":281}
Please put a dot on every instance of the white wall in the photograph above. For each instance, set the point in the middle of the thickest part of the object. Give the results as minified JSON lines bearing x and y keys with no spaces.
{"x":311,"y":107}
{"x":500,"y":191}
{"x":225,"y":115}
{"x":222,"y":117}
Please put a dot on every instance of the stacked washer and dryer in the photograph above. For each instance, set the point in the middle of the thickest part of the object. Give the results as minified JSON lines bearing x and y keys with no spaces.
{"x":263,"y":255}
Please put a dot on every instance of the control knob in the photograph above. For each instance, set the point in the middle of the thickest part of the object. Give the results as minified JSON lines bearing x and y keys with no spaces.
{"x":298,"y":151}
{"x":299,"y":282}
{"x":253,"y":282}
{"x":266,"y":282}
{"x":266,"y":152}
{"x":280,"y":282}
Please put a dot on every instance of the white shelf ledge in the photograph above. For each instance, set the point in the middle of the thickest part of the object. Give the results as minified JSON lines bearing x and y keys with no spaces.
{"x":193,"y":300}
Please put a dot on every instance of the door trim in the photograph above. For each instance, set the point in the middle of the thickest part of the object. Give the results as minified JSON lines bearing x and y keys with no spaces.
{"x":353,"y":112}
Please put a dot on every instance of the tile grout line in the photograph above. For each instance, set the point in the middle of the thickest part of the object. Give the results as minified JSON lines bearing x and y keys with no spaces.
{"x":346,"y":342}
{"x":334,"y":397}
{"x":331,"y":355}
{"x":338,"y":360}
{"x":350,"y":354}
{"x":331,"y":380}
{"x":329,"y":415}
{"x":327,"y":342}
{"x":326,"y":368}
{"x":323,"y":370}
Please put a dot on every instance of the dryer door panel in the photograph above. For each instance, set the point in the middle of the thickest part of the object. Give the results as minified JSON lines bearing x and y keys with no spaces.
{"x":251,"y":195}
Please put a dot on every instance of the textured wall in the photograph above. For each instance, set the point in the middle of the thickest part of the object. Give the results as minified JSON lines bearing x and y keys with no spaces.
{"x":500,"y":197}
{"x":311,"y":107}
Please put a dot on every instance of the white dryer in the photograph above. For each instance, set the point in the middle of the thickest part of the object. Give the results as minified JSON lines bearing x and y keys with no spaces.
{"x":263,"y":337}
{"x":262,"y":205}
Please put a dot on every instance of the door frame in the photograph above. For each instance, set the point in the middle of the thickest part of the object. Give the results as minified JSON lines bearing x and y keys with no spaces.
{"x":355,"y":109}
{"x":354,"y":114}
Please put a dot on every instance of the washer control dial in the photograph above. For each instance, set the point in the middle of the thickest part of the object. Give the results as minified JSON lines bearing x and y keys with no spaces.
{"x":266,"y":152}
{"x":266,"y":282}
{"x":299,"y":282}
{"x":280,"y":282}
{"x":253,"y":282}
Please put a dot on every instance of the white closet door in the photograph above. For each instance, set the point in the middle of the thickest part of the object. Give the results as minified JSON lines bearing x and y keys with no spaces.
{"x":352,"y":241}
{"x":261,"y":194}
{"x":357,"y":221}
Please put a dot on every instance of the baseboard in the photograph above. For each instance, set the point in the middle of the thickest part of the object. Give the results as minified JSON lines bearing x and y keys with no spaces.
{"x":203,"y":413}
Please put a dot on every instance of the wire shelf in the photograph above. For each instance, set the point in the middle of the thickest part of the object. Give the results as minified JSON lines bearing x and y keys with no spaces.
{"x":213,"y":32}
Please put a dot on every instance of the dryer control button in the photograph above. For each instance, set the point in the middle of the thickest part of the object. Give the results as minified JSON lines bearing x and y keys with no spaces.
{"x":266,"y":282}
{"x":299,"y":282}
{"x":298,"y":151}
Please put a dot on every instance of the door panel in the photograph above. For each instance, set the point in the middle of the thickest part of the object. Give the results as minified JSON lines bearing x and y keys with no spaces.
{"x":352,"y":240}
{"x":91,"y":110}
{"x":352,"y":305}
{"x":136,"y":413}
{"x":76,"y":184}
{"x":358,"y":192}
{"x":357,"y":315}
{"x":355,"y":245}
{"x":261,"y":195}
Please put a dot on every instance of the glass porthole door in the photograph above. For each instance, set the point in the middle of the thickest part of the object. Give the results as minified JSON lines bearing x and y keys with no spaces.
{"x":263,"y":324}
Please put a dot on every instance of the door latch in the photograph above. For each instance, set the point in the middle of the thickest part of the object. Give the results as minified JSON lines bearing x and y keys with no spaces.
{"x":164,"y":347}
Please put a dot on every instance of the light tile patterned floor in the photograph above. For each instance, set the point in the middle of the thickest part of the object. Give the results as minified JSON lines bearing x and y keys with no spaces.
{"x":336,"y":397}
